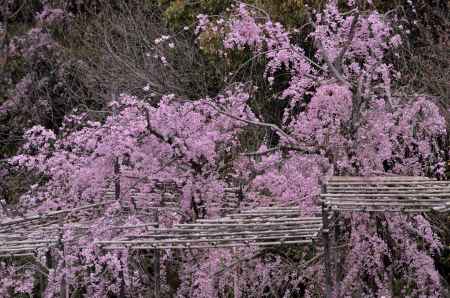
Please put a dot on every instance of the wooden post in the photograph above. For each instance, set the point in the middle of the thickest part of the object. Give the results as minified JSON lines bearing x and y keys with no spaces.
{"x":156,"y":263}
{"x":337,"y":255}
{"x":117,"y":197}
{"x":326,"y":243}
{"x":64,"y":291}
{"x":236,"y":292}
{"x":49,"y":265}
{"x":122,"y":281}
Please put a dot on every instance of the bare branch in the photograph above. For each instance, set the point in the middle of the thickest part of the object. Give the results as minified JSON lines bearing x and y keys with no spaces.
{"x":239,"y":261}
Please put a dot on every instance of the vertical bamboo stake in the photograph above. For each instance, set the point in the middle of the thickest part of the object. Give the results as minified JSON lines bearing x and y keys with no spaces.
{"x":122,"y":280}
{"x":64,"y":292}
{"x":42,"y":278}
{"x":117,"y":197}
{"x":236,"y":291}
{"x":41,"y":284}
{"x":156,"y":263}
{"x":337,"y":232}
{"x":48,"y":259}
{"x":326,"y":243}
{"x":49,"y":264}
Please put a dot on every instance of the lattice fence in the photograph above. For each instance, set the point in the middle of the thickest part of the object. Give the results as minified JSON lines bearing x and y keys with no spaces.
{"x":258,"y":227}
{"x":387,"y":194}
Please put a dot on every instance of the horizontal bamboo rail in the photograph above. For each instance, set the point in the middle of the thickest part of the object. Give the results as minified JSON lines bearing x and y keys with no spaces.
{"x":380,"y":182}
{"x":404,"y":195}
{"x":250,"y":225}
{"x":386,"y":204}
{"x":386,"y":194}
{"x":186,"y":246}
{"x":403,"y":190}
{"x":256,"y":220}
{"x":52,"y":214}
{"x":378,"y":178}
{"x":209,"y":233}
{"x":10,"y":255}
{"x":213,"y":240}
{"x":393,"y":210}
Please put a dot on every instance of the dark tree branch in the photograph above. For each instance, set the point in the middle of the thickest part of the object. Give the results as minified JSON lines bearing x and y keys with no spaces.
{"x":339,"y":59}
{"x":283,"y":148}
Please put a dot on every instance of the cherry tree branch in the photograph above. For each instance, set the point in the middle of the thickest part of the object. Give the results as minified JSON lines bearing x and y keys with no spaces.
{"x":340,"y":57}
{"x":281,"y":148}
{"x":358,"y":99}
{"x":327,"y":59}
{"x":257,"y":123}
{"x":330,"y":64}
{"x":255,"y":7}
{"x":276,"y":50}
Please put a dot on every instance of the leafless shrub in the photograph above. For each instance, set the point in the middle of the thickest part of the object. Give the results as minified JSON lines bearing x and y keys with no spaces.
{"x":117,"y":53}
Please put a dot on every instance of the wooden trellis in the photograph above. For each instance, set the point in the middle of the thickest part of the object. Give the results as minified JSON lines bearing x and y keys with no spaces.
{"x":263,"y":226}
{"x":386,"y":194}
{"x":23,"y":236}
{"x":258,"y":227}
{"x":403,"y":194}
{"x":27,"y":235}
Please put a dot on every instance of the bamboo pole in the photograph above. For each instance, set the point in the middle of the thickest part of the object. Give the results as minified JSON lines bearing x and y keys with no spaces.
{"x":22,"y":249}
{"x":382,"y":199}
{"x":208,"y":234}
{"x":378,"y":178}
{"x":277,"y":208}
{"x":117,"y":198}
{"x":394,"y":210}
{"x":51,"y":214}
{"x":215,"y":240}
{"x":236,"y":292}
{"x":12,"y":255}
{"x":380,"y":182}
{"x":326,"y":242}
{"x":411,"y":195}
{"x":156,"y":264}
{"x":249,"y":225}
{"x":150,"y":224}
{"x":397,"y":190}
{"x":443,"y":208}
{"x":273,"y":243}
{"x":258,"y":220}
{"x":28,"y":242}
{"x":268,"y":211}
{"x":384,"y":204}
{"x":337,"y":256}
{"x":221,"y":229}
{"x":64,"y":291}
